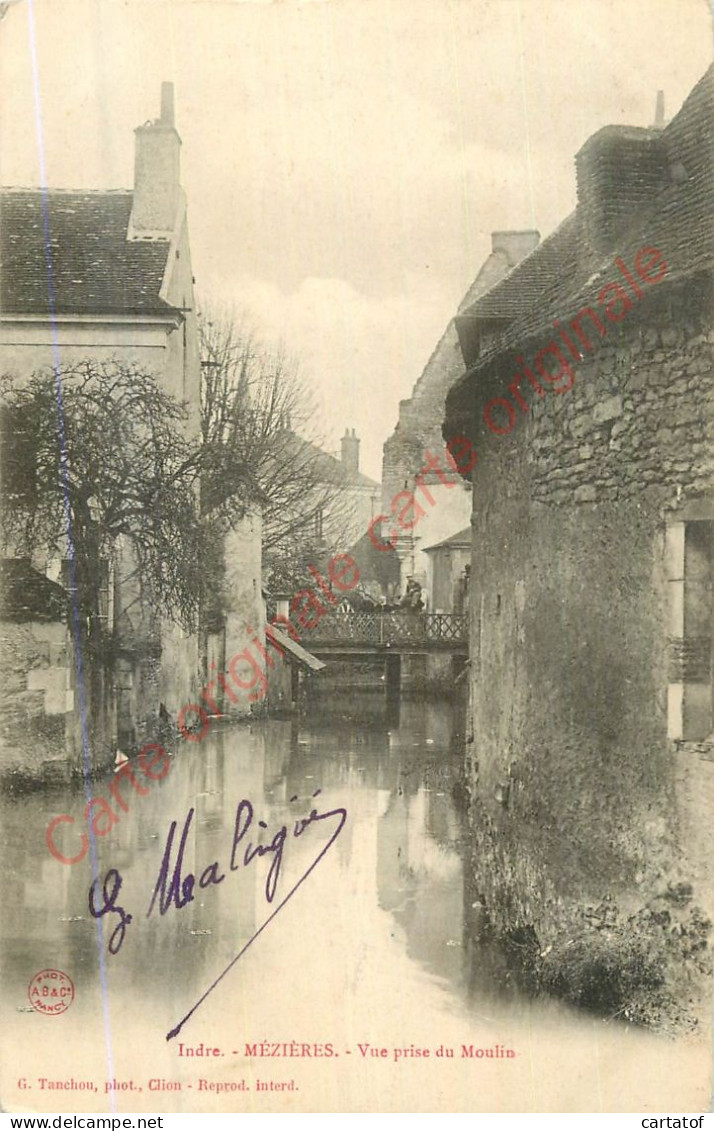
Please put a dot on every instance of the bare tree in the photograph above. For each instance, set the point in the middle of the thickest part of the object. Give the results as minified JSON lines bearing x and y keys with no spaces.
{"x":258,"y":429}
{"x":97,"y":453}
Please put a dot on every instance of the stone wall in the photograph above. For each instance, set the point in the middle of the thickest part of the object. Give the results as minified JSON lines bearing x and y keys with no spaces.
{"x":579,"y":799}
{"x":639,"y":416}
{"x":35,"y":704}
{"x":419,"y":427}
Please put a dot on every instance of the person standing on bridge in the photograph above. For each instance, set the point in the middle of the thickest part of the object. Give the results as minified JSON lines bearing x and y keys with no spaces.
{"x":412,"y":598}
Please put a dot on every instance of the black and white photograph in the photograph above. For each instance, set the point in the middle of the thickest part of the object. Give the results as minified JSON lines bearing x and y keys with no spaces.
{"x":357,"y":570}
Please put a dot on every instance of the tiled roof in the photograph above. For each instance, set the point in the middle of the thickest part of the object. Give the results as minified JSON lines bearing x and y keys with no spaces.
{"x":565,"y":273}
{"x":94,"y":268}
{"x":540,"y":276}
{"x":498,"y":266}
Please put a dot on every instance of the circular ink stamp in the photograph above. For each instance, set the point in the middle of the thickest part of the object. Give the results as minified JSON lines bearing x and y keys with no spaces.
{"x":51,"y":992}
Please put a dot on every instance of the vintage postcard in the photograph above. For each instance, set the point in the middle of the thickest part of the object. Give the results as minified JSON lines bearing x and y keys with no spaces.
{"x":357,"y":578}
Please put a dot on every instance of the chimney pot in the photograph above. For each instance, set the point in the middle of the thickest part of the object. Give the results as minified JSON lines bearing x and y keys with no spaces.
{"x":515,"y":245}
{"x":167,"y":103}
{"x":659,"y":121}
{"x":350,"y":450}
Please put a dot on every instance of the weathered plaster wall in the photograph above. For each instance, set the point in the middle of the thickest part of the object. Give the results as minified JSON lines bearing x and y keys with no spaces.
{"x":183,"y":365}
{"x":245,"y":616}
{"x":437,"y":515}
{"x":444,"y":578}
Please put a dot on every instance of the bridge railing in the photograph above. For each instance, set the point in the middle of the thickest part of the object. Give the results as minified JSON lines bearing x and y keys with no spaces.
{"x":402,"y":626}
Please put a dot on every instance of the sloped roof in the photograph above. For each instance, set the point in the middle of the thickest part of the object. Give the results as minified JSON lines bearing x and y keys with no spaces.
{"x":565,"y":273}
{"x":28,"y":595}
{"x":460,"y":540}
{"x":296,"y":650}
{"x":499,"y":263}
{"x":538,"y":277}
{"x":86,"y":257}
{"x":329,"y":469}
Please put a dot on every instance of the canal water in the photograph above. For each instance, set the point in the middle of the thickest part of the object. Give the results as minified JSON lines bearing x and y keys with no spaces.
{"x":360,"y":987}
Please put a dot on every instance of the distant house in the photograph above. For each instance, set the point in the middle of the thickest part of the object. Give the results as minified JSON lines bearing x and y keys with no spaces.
{"x":333,"y":518}
{"x":338,"y":510}
{"x":334,"y":509}
{"x":447,"y":583}
{"x":589,"y":398}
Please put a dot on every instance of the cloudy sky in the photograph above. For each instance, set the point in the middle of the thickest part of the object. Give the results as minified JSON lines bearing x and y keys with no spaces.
{"x":345,"y":160}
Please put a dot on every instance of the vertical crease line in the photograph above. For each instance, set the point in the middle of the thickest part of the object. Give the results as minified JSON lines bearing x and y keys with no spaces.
{"x":524,"y":101}
{"x":64,"y":474}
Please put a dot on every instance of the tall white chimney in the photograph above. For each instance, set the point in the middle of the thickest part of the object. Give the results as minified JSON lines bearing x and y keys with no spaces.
{"x":156,"y":173}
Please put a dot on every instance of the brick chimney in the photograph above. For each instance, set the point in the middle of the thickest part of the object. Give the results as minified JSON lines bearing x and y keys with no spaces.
{"x":156,"y":173}
{"x":619,"y":169}
{"x":350,"y":450}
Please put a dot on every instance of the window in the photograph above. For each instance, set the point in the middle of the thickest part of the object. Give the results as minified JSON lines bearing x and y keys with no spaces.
{"x":690,"y":575}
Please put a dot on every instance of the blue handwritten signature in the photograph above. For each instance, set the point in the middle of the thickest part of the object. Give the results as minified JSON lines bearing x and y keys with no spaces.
{"x":174,"y":889}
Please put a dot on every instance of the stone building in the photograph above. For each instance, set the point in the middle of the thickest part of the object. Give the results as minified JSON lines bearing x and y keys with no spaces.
{"x":588,"y":400}
{"x":418,"y":430}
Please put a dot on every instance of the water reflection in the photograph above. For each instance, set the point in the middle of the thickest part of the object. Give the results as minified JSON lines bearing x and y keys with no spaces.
{"x":395,"y":783}
{"x":371,"y":948}
{"x":408,"y":754}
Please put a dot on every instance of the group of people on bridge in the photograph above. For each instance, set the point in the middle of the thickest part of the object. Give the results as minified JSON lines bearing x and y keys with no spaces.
{"x":411,"y":600}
